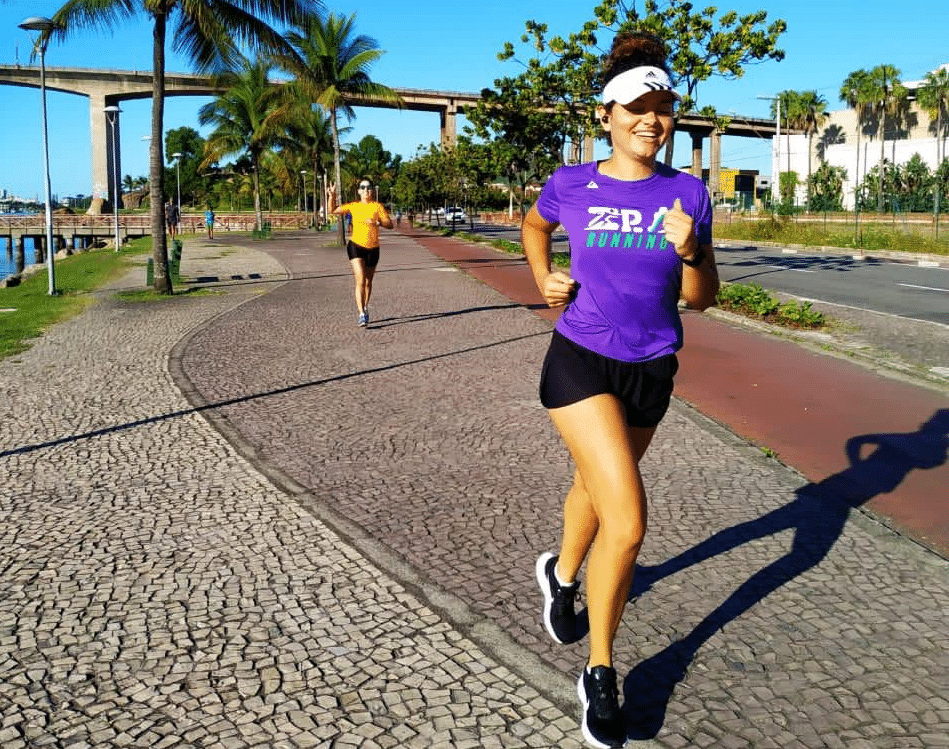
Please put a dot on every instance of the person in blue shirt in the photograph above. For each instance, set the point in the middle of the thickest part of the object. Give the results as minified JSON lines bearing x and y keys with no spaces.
{"x":209,"y":221}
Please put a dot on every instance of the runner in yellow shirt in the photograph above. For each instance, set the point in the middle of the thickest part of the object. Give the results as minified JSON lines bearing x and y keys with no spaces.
{"x":363,"y":245}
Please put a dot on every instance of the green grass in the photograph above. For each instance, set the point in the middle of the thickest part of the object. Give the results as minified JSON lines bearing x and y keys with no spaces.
{"x":35,"y":310}
{"x":816,"y":232}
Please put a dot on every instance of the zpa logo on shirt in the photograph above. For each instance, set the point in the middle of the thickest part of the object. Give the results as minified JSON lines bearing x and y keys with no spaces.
{"x":623,"y":228}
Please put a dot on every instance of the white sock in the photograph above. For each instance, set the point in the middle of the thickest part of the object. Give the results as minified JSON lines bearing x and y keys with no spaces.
{"x":560,"y":581}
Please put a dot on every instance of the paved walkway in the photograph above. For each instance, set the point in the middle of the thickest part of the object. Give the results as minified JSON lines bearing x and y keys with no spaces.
{"x":352,"y":565}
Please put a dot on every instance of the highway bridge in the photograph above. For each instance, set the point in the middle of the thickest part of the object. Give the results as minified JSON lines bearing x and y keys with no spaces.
{"x":106,"y":88}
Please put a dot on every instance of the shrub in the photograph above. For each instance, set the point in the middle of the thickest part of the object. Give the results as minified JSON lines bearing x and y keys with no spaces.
{"x":506,"y":246}
{"x":753,"y":301}
{"x":747,"y":298}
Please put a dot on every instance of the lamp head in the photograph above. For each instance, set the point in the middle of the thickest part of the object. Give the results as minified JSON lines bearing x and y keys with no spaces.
{"x":43,"y":25}
{"x":37,"y":23}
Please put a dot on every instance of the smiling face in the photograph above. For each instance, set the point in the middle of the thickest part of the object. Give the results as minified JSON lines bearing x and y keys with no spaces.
{"x":639,"y":129}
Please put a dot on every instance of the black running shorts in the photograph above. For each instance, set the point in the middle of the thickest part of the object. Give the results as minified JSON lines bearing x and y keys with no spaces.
{"x":358,"y":252}
{"x":573,"y":373}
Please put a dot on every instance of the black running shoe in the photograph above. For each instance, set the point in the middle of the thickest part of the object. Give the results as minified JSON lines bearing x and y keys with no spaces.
{"x":603,"y":724}
{"x":559,"y":616}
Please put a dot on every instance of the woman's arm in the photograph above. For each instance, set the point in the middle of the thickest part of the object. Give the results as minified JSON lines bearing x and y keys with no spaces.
{"x":700,"y":284}
{"x":699,"y":279}
{"x":557,"y":288}
{"x":384,"y":218}
{"x":331,"y":203}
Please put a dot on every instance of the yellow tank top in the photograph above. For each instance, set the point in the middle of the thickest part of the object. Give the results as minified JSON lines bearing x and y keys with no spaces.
{"x":366,"y":234}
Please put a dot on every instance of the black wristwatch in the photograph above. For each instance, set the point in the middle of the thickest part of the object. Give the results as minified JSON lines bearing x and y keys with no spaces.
{"x":697,"y":260}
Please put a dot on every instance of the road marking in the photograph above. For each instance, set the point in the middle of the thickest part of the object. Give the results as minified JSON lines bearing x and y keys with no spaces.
{"x":924,"y":288}
{"x":796,"y":270}
{"x":871,"y":311}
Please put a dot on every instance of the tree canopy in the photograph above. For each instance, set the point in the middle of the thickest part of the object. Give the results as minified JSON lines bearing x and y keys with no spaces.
{"x":701,"y":43}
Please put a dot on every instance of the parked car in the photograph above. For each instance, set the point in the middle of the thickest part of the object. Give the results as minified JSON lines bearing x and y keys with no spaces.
{"x":455,"y":215}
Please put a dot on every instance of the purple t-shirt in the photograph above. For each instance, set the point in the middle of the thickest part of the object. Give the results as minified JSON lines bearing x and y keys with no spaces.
{"x":629,"y":276}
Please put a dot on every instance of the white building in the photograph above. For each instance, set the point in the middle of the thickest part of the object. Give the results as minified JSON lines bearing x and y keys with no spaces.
{"x":836,"y":143}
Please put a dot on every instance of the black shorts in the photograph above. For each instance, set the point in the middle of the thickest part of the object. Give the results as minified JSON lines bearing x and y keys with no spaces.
{"x":573,"y":373}
{"x":358,"y":252}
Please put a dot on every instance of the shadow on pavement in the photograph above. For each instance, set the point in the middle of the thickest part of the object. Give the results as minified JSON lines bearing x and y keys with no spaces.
{"x":24,"y":449}
{"x":817,"y":516}
{"x":385,"y":322}
{"x":768,"y":264}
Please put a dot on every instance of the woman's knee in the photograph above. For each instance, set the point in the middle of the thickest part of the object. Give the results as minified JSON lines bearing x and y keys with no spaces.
{"x":623,"y":535}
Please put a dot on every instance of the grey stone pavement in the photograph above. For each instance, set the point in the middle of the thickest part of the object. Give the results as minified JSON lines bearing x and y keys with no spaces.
{"x":234,"y":519}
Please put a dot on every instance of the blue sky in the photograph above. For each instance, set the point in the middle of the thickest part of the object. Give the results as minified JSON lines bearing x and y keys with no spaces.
{"x":438,"y":45}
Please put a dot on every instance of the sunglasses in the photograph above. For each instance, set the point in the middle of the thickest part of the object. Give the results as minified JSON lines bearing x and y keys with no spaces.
{"x":365,"y":187}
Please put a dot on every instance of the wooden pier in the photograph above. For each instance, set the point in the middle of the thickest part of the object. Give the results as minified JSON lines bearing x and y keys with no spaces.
{"x":80,"y":232}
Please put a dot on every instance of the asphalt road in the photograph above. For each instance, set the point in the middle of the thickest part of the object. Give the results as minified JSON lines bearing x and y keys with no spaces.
{"x":910,"y":291}
{"x":899,"y":289}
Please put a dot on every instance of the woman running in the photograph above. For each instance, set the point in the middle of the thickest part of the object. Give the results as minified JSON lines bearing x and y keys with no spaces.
{"x":363,"y":246}
{"x":640,"y":239}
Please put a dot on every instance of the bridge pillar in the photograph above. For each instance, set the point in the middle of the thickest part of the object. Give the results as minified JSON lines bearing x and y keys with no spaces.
{"x":102,"y":167}
{"x":449,"y":126}
{"x":697,"y":154}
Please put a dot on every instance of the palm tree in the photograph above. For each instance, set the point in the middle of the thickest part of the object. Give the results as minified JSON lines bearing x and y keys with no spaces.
{"x":854,"y":92}
{"x":334,"y":71}
{"x":249,"y":119}
{"x":209,"y":32}
{"x":787,"y":103}
{"x":886,"y":95}
{"x":812,"y":107}
{"x":933,"y":96}
{"x":310,"y":130}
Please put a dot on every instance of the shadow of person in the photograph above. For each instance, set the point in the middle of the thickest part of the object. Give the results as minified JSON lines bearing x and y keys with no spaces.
{"x":817,"y":515}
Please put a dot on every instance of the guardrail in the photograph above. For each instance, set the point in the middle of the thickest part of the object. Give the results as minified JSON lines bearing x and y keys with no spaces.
{"x":140,"y":223}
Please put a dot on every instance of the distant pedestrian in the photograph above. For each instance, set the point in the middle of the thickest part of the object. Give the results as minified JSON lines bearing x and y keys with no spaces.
{"x":209,"y":221}
{"x":398,"y":217}
{"x":640,"y":239}
{"x":366,"y":216}
{"x":172,"y":217}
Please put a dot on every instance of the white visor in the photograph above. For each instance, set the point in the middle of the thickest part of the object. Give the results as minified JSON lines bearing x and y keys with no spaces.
{"x":632,"y":84}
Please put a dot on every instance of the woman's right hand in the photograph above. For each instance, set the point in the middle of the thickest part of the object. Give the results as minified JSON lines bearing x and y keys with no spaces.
{"x":558,"y":289}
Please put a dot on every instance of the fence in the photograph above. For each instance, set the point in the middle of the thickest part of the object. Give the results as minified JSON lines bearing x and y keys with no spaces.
{"x":914,"y":232}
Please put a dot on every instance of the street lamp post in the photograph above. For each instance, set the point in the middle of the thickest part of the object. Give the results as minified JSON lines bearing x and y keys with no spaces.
{"x":43,"y":26}
{"x":319,"y":223}
{"x":147,"y":140}
{"x":303,"y":182}
{"x":112,"y":112}
{"x":177,"y":157}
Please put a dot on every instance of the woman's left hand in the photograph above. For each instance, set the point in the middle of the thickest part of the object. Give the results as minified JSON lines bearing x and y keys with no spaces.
{"x":680,"y":230}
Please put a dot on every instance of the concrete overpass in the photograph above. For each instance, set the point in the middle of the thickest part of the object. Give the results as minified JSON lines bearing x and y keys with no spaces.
{"x":110,"y":87}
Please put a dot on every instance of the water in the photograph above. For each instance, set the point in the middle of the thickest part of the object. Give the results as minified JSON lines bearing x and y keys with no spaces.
{"x":8,"y":256}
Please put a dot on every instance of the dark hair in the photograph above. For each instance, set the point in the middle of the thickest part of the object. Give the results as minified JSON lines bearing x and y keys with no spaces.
{"x":633,"y":49}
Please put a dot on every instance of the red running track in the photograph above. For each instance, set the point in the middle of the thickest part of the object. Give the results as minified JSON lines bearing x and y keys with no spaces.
{"x":808,"y":408}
